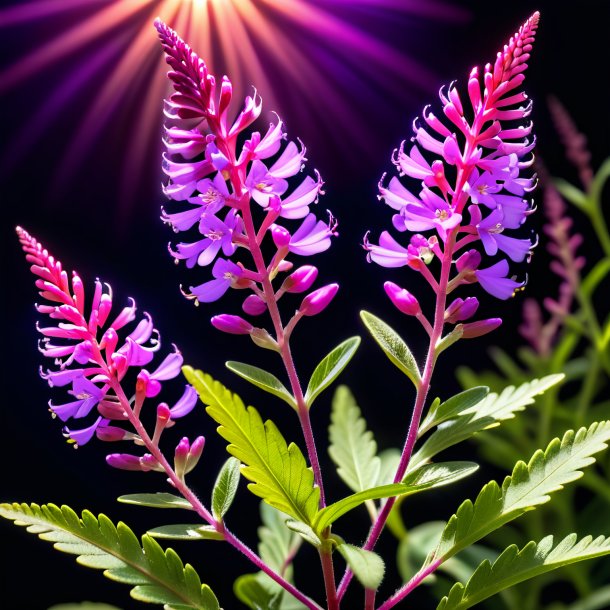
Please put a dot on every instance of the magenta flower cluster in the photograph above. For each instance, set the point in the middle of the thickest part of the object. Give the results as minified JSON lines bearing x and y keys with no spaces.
{"x":473,"y":186}
{"x":219,"y":186}
{"x":93,"y":351}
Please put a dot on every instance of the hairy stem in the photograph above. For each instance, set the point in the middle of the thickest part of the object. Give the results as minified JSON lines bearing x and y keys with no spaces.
{"x":328,"y":571}
{"x":410,"y":586}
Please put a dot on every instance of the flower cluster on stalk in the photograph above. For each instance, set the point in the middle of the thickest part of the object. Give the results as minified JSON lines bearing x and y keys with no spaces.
{"x":221,"y":181}
{"x":474,"y":188}
{"x":93,"y":350}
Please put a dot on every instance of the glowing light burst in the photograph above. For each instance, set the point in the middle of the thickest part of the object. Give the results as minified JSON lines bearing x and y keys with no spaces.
{"x":300,"y":54}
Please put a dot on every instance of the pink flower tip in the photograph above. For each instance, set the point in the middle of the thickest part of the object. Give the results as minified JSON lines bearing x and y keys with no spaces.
{"x":461,"y":309}
{"x":403,"y":300}
{"x":317,"y":301}
{"x":281,"y":236}
{"x":234,"y":325}
{"x":253,"y":305}
{"x":480,"y":328}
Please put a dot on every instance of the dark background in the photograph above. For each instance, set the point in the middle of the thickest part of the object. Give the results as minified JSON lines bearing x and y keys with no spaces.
{"x":85,"y":229}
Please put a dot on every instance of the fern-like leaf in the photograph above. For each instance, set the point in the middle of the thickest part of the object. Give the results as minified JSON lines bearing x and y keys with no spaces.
{"x":528,"y":487}
{"x":352,"y":447}
{"x":488,"y":413}
{"x":156,"y":576}
{"x":514,"y":566}
{"x":278,"y":471}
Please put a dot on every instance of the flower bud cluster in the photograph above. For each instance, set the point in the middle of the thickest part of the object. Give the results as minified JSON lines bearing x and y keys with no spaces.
{"x":93,"y":350}
{"x":218,"y":187}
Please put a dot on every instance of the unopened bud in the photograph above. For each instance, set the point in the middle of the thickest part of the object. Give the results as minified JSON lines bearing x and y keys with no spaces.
{"x":403,"y":300}
{"x":469,"y":261}
{"x":301,"y":280}
{"x":318,"y":300}
{"x":281,"y":236}
{"x":254,"y":305}
{"x":461,"y":309}
{"x":233,"y":325}
{"x":480,"y":328}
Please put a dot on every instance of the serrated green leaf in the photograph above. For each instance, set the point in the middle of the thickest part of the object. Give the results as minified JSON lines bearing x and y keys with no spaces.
{"x":352,"y":447}
{"x":159,"y":576}
{"x":439,"y":474}
{"x":225,"y":488}
{"x":452,"y":407}
{"x":367,"y":566}
{"x":330,"y":368}
{"x":390,"y":459}
{"x":263,"y":380}
{"x":488,"y":413}
{"x":186,"y":531}
{"x":393,"y":346}
{"x":514,"y":566}
{"x":254,"y":591}
{"x":278,"y":471}
{"x":156,"y":500}
{"x":529,"y":486}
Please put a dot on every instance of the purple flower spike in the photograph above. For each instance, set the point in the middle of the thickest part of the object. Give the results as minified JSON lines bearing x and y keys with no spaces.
{"x":104,"y":351}
{"x":213,"y":164}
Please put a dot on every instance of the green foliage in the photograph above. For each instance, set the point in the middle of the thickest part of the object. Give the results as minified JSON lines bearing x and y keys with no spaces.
{"x":156,"y":576}
{"x":452,"y":407}
{"x":352,"y":447}
{"x":277,"y":547}
{"x":330,"y":368}
{"x":156,"y":500}
{"x":393,"y":346}
{"x":367,"y":566}
{"x":225,"y":488}
{"x":186,"y":531}
{"x":528,"y":487}
{"x":489,"y":412}
{"x":83,"y":606}
{"x":278,"y":471}
{"x":263,"y":380}
{"x":514,"y":566}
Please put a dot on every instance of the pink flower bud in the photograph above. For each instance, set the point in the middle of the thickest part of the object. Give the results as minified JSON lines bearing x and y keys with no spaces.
{"x":281,"y":236}
{"x":233,"y":325}
{"x":285,"y":266}
{"x":181,"y":456}
{"x":163,"y":413}
{"x":402,"y":299}
{"x":254,"y":305}
{"x":301,"y":280}
{"x":461,"y":309}
{"x":318,"y":300}
{"x":480,"y":328}
{"x":124,"y":461}
{"x":194,"y":453}
{"x":111,"y":434}
{"x":469,"y":261}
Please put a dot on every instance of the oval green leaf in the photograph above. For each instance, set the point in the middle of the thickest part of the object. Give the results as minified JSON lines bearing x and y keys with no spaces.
{"x":225,"y":488}
{"x":156,"y":500}
{"x":367,"y":566}
{"x":330,"y":368}
{"x":262,"y":379}
{"x":393,"y":346}
{"x":185,"y":531}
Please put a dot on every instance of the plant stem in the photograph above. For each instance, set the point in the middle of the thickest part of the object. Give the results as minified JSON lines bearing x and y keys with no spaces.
{"x":420,"y":401}
{"x":328,"y":571}
{"x":198,"y":506}
{"x":369,"y":599}
{"x":410,"y":586}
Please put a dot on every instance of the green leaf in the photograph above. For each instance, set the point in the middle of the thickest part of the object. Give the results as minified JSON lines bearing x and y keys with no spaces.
{"x":186,"y":531}
{"x":305,"y":531}
{"x":278,"y":471}
{"x":529,"y":486}
{"x":83,"y":606}
{"x":595,"y":276}
{"x":225,"y":488}
{"x":393,"y":346}
{"x":263,"y":380}
{"x":599,"y":180}
{"x":155,"y":575}
{"x":367,"y":566}
{"x":514,"y":566}
{"x":426,"y":477}
{"x":598,"y":600}
{"x":156,"y":500}
{"x":330,"y":368}
{"x":488,"y":413}
{"x":277,"y":547}
{"x":573,"y":194}
{"x":352,"y":447}
{"x":452,"y":407}
{"x":390,"y":459}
